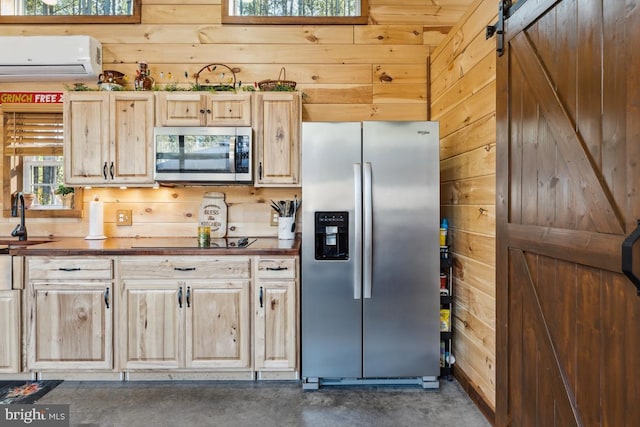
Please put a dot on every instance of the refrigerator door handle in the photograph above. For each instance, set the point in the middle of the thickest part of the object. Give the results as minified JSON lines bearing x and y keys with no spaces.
{"x":367,"y":265}
{"x":357,"y":271}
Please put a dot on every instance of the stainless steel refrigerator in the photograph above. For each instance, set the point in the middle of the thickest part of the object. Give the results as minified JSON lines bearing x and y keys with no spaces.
{"x":370,"y":253}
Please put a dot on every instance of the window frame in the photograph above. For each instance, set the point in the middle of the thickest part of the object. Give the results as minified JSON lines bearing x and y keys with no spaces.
{"x":134,"y":18}
{"x":12,"y":177}
{"x":363,"y":19}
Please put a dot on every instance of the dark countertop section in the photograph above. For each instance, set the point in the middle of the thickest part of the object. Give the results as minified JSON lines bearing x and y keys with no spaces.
{"x":74,"y":246}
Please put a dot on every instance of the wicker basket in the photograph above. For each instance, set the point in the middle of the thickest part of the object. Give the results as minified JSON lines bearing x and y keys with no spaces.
{"x":282,"y":84}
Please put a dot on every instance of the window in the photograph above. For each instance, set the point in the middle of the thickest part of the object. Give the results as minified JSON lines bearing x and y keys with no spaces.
{"x":69,"y":11}
{"x":295,"y":11}
{"x":33,"y":161}
{"x":41,"y":176}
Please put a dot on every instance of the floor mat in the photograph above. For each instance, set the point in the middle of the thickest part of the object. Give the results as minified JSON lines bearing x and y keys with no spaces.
{"x":25,"y":392}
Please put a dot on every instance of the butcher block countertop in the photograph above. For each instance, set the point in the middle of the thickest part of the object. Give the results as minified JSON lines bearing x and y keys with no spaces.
{"x":73,"y":246}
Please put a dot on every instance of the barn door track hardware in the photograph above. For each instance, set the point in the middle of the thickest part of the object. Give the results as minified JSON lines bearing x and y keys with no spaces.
{"x":506,"y":8}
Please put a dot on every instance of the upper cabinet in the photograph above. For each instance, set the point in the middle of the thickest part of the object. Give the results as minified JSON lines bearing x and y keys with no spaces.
{"x":277,"y":121}
{"x":108,"y":138}
{"x":109,"y":135}
{"x":203,"y":109}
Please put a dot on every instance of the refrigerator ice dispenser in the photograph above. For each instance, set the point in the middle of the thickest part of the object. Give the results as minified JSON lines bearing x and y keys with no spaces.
{"x":332,"y":235}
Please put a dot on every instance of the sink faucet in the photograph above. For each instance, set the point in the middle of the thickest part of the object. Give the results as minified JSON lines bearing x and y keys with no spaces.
{"x":21,"y":229}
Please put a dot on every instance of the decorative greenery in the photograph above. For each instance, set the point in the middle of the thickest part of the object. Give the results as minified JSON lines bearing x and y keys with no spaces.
{"x":213,"y":88}
{"x":170,"y":87}
{"x":174,"y":87}
{"x":79,"y":87}
{"x":282,"y":88}
{"x":63,"y":190}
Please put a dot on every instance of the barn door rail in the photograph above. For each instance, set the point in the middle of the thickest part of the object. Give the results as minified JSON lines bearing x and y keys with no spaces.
{"x":627,"y":256}
{"x":506,"y":8}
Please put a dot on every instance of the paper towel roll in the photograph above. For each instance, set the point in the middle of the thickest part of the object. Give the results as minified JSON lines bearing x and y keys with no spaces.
{"x":96,"y":220}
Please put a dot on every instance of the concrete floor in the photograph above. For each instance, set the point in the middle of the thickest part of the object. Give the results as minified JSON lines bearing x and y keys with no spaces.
{"x":262,"y":404}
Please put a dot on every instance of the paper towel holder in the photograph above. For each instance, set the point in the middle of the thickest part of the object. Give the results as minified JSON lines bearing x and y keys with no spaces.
{"x":96,"y":220}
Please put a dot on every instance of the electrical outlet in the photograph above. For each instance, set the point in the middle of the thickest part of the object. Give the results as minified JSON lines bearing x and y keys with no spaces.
{"x":123,"y":217}
{"x":274,"y":219}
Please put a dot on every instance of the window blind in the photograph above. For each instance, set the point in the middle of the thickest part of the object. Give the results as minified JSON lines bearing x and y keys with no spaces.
{"x":33,"y":134}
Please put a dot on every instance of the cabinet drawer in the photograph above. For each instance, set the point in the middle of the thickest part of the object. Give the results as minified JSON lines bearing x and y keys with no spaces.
{"x":66,"y":268}
{"x":185,"y":267}
{"x":277,"y":268}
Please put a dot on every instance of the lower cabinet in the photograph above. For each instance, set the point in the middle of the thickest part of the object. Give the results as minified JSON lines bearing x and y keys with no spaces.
{"x":218,"y":314}
{"x":151,"y":325}
{"x":194,"y":324}
{"x":70,"y":312}
{"x":276,"y":320}
{"x":218,"y":325}
{"x":71,"y":326}
{"x":10,"y":338}
{"x":185,"y":312}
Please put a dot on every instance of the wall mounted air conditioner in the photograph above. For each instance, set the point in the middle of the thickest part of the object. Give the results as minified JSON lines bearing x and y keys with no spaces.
{"x":37,"y":58}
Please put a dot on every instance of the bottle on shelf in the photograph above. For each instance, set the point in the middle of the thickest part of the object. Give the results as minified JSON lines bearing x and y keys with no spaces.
{"x":444,"y":289}
{"x":444,"y":229}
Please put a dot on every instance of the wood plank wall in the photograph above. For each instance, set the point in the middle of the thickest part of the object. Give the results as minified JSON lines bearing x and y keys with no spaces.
{"x":343,"y":72}
{"x":463,"y":100}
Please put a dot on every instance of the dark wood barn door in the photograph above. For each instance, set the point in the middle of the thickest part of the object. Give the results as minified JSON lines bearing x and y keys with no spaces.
{"x":568,"y":192}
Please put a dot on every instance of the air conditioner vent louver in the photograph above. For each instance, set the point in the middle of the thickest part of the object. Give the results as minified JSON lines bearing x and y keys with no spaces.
{"x":37,"y":58}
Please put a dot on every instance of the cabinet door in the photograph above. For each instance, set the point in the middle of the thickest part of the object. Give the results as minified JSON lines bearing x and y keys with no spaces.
{"x":218,"y":325}
{"x":229,"y":110}
{"x":10,"y":337}
{"x":152,"y":329}
{"x":276,"y":328}
{"x":86,"y":137}
{"x":277,"y":124}
{"x":179,"y":109}
{"x":132,"y":120}
{"x":70,"y":326}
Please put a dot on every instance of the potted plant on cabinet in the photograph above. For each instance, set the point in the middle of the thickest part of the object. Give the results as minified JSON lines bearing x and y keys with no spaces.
{"x":66,"y":195}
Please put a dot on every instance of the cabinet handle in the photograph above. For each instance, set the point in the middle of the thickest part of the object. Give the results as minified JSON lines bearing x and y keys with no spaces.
{"x":260,"y":296}
{"x":106,"y":297}
{"x":180,"y":297}
{"x":279,"y":268}
{"x":69,"y":268}
{"x":260,"y":170}
{"x":184,"y":268}
{"x":104,"y":170}
{"x":188,"y":296}
{"x":202,"y":111}
{"x":111,"y":170}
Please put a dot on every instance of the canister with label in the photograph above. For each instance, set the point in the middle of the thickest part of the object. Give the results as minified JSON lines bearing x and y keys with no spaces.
{"x":213,"y":213}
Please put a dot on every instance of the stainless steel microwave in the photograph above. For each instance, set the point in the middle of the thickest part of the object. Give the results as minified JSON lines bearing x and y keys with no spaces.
{"x":203,"y":154}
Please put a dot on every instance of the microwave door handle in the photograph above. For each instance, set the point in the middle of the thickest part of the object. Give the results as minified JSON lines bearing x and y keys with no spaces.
{"x":232,"y":154}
